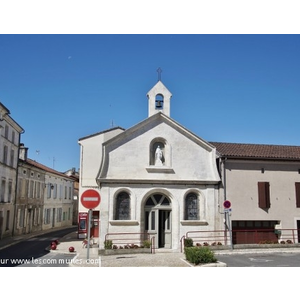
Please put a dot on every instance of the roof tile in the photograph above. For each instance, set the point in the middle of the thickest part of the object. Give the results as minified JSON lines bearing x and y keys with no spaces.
{"x":260,"y":151}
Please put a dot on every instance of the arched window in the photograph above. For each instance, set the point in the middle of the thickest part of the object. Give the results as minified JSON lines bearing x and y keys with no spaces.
{"x":122,"y":206}
{"x":191,"y":207}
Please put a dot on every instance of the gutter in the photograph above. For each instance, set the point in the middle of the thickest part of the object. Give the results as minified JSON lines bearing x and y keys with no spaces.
{"x":16,"y":184}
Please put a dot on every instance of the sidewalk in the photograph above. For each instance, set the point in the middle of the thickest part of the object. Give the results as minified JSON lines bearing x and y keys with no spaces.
{"x":127,"y":260}
{"x":82,"y":257}
{"x":159,"y":259}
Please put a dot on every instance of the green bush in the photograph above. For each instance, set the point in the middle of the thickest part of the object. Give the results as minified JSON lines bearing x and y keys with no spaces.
{"x":199,"y":255}
{"x":146,"y":244}
{"x":188,"y":242}
{"x":108,"y":244}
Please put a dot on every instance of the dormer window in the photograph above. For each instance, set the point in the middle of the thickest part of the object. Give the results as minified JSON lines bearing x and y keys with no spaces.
{"x":159,"y":101}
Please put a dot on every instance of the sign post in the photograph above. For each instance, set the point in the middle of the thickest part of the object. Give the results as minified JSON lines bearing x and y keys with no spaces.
{"x":90,"y":199}
{"x":227,"y":209}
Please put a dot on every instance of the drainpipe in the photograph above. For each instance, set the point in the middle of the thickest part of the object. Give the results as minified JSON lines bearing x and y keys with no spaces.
{"x":16,"y":184}
{"x":226,"y":213}
{"x":224,"y":178}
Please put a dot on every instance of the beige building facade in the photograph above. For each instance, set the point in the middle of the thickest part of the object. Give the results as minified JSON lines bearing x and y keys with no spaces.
{"x":262,"y":182}
{"x":44,"y":197}
{"x":10,"y":134}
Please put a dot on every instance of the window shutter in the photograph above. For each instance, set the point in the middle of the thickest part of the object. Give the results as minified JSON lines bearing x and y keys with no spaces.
{"x":297,"y":184}
{"x":264,"y":195}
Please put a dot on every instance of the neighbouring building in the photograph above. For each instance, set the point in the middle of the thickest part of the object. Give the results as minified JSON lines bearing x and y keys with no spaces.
{"x":30,"y":195}
{"x":44,"y":199}
{"x":10,"y":133}
{"x":72,"y":173}
{"x":262,"y":182}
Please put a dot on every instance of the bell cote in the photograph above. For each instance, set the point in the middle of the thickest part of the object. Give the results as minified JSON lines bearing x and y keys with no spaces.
{"x":159,"y":100}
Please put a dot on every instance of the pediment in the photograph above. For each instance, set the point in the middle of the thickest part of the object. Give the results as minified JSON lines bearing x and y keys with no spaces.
{"x":131,"y":155}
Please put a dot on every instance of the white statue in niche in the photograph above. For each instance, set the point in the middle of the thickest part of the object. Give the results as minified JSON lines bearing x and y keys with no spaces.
{"x":158,"y":156}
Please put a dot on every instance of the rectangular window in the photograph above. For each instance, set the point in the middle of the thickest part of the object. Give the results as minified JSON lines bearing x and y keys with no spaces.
{"x":31,"y":188}
{"x":22,"y":217}
{"x":18,"y":217}
{"x":59,"y":214}
{"x":13,"y":137}
{"x":55,"y":191}
{"x":7,"y":219}
{"x":5,"y":149}
{"x":264,"y":195}
{"x":48,"y":190}
{"x":35,"y":216}
{"x":2,"y":196}
{"x":38,"y":190}
{"x":10,"y":191}
{"x":12,"y":157}
{"x":38,"y":216}
{"x":6,"y":132}
{"x":297,"y":184}
{"x":47,"y":216}
{"x":60,"y":191}
{"x":23,"y":187}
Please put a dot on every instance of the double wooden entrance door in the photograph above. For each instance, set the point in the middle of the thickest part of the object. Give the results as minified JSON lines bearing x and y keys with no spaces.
{"x":158,"y":216}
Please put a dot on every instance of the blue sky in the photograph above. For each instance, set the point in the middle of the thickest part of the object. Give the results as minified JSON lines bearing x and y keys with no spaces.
{"x":229,"y":88}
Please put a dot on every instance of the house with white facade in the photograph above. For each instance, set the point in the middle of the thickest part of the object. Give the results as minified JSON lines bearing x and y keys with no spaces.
{"x":58,"y":200}
{"x":10,"y":133}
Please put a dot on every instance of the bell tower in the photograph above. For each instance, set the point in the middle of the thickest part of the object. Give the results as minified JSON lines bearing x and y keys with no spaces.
{"x":159,"y":98}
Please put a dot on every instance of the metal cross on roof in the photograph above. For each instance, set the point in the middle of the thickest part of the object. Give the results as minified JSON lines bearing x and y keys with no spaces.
{"x":159,"y":71}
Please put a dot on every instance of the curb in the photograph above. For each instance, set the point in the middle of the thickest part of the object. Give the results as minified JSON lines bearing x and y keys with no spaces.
{"x":216,"y":264}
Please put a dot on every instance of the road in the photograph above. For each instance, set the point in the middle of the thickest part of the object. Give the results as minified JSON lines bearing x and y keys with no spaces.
{"x":261,"y":260}
{"x":32,"y":252}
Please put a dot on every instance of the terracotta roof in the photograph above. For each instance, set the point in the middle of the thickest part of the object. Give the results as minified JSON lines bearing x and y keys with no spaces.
{"x":258,"y":151}
{"x":45,"y":168}
{"x":101,"y":132}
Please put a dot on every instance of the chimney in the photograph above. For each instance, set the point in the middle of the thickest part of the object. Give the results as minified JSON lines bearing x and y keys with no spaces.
{"x":23,"y":152}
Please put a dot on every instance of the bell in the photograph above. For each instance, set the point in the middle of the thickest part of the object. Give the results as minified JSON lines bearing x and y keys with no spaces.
{"x":158,"y":104}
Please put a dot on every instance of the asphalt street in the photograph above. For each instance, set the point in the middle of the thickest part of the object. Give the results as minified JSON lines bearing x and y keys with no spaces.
{"x":31,"y":251}
{"x":261,"y":260}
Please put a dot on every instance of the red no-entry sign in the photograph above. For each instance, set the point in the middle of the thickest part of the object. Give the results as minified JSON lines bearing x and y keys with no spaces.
{"x":227,"y":204}
{"x":90,"y":199}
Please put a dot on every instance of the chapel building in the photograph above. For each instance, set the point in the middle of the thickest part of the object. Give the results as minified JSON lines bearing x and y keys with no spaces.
{"x":156,"y":177}
{"x":158,"y":180}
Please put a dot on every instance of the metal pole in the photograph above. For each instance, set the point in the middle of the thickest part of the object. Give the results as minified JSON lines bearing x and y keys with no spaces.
{"x":229,"y":229}
{"x":89,"y":233}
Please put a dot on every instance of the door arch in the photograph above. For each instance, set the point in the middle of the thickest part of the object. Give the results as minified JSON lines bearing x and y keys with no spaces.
{"x":158,"y":219}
